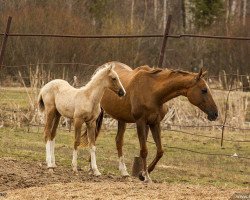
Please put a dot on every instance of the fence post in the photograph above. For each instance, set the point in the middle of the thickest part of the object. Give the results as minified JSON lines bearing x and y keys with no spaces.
{"x":5,"y":37}
{"x":163,"y":47}
{"x":225,"y":118}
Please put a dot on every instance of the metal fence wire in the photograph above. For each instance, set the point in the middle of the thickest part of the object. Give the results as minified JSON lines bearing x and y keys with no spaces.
{"x":164,"y":36}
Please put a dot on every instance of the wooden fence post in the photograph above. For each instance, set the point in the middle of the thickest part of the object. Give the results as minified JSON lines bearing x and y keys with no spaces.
{"x":5,"y":38}
{"x":164,"y":42}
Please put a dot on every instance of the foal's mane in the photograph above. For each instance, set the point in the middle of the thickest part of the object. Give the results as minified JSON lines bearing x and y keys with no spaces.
{"x":97,"y":74}
{"x":99,"y":71}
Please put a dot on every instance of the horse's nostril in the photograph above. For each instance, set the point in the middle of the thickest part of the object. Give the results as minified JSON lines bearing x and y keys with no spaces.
{"x":120,"y":92}
{"x":216,"y":114}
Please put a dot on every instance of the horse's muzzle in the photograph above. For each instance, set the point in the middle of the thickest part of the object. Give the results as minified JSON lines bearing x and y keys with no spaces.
{"x":212,"y":116}
{"x":121,"y":93}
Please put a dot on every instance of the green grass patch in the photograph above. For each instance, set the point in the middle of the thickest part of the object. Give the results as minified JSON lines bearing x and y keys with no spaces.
{"x":176,"y":166}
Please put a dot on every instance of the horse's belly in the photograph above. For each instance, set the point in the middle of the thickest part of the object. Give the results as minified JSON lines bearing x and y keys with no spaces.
{"x":65,"y":106}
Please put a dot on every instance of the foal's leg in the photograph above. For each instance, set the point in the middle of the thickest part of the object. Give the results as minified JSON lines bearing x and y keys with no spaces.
{"x":78,"y":126}
{"x":53,"y":134}
{"x":141,"y":131}
{"x":91,"y":126}
{"x":119,"y":145}
{"x":50,"y":114}
{"x":156,"y":133}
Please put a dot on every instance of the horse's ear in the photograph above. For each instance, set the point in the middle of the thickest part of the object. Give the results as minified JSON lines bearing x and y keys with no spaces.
{"x":109,"y":67}
{"x":201,"y":74}
{"x":204,"y":73}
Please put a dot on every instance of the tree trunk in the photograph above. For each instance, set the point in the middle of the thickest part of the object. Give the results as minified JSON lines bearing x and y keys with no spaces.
{"x":183,"y":13}
{"x":132,"y":14}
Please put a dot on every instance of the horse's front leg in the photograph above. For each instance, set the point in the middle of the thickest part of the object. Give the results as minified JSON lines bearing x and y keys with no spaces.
{"x":156,"y":133}
{"x":78,"y":126}
{"x":91,"y":127}
{"x":142,"y":135}
{"x":119,"y":145}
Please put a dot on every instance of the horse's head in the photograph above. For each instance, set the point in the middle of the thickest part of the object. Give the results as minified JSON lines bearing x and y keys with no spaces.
{"x":199,"y":95}
{"x":114,"y":82}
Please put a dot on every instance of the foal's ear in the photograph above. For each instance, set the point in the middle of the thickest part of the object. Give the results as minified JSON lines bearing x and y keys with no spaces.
{"x":201,"y":74}
{"x":109,"y":67}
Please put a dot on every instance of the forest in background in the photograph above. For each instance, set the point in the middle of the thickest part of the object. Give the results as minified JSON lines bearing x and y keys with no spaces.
{"x":84,"y":17}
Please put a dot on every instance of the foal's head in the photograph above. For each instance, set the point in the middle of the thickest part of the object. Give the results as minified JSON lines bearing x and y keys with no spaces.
{"x":199,"y":95}
{"x":113,"y":81}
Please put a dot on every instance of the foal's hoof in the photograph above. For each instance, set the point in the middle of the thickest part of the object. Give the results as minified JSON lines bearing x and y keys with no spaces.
{"x":54,"y":166}
{"x":97,"y":173}
{"x":75,"y":170}
{"x":51,"y":170}
{"x":141,"y":177}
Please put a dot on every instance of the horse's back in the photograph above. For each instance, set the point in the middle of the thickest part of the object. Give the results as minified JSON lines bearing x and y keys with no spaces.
{"x":126,"y":73}
{"x":52,"y":88}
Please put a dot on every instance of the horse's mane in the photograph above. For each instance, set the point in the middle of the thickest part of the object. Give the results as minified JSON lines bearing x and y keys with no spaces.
{"x":156,"y":70}
{"x":99,"y":71}
{"x":180,"y":71}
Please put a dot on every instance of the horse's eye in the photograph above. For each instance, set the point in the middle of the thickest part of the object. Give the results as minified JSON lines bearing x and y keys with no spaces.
{"x":113,"y":79}
{"x":204,"y":91}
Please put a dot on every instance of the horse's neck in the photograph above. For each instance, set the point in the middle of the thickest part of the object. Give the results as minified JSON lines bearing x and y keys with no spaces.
{"x":95,"y":90}
{"x":172,"y":86}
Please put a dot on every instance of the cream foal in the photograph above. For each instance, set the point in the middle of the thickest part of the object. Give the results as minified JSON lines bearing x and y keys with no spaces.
{"x":58,"y":98}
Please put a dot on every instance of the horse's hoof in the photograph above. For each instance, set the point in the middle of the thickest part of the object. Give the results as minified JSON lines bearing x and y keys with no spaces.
{"x":97,"y":173}
{"x":141,"y":177}
{"x":51,"y":170}
{"x":147,"y":181}
{"x":54,"y":166}
{"x":125,"y":174}
{"x":75,"y":171}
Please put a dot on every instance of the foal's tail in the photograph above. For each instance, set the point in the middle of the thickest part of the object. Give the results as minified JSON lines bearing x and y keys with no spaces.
{"x":84,"y":136}
{"x":40,"y":103}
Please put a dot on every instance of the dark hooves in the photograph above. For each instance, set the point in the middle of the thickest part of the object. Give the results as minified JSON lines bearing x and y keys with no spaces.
{"x":141,"y":177}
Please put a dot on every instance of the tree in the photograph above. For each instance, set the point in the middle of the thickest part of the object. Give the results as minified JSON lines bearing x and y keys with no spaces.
{"x":206,"y":12}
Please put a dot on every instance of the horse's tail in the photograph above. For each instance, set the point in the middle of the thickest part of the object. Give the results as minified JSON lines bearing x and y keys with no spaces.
{"x":84,"y":136}
{"x":40,"y":102}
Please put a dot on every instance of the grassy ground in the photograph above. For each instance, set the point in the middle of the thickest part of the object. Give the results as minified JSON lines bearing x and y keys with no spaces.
{"x":175,"y":166}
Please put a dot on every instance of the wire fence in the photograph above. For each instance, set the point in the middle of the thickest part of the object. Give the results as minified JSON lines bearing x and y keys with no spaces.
{"x":220,"y":126}
{"x":164,"y":36}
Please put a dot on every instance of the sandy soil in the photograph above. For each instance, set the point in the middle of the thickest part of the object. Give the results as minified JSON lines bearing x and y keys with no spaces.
{"x":31,"y":180}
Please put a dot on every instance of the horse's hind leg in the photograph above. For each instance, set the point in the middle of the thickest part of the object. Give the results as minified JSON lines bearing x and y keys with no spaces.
{"x":119,"y":145}
{"x":53,"y":134}
{"x":78,"y":126}
{"x":156,"y":133}
{"x":50,"y":115}
{"x":142,"y":135}
{"x":91,"y":127}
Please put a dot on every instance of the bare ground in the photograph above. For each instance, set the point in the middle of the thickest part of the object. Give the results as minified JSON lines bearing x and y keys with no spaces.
{"x":31,"y":180}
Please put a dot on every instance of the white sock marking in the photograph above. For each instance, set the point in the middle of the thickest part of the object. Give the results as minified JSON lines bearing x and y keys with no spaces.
{"x":74,"y":160}
{"x":52,"y":149}
{"x":93,"y":158}
{"x":122,"y":167}
{"x":48,"y":153}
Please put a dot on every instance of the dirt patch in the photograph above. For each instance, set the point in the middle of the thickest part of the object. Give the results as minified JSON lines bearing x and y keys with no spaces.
{"x":30,"y":180}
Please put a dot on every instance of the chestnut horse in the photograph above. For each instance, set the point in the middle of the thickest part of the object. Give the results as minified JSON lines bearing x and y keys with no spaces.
{"x":57,"y":98}
{"x":147,"y":91}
